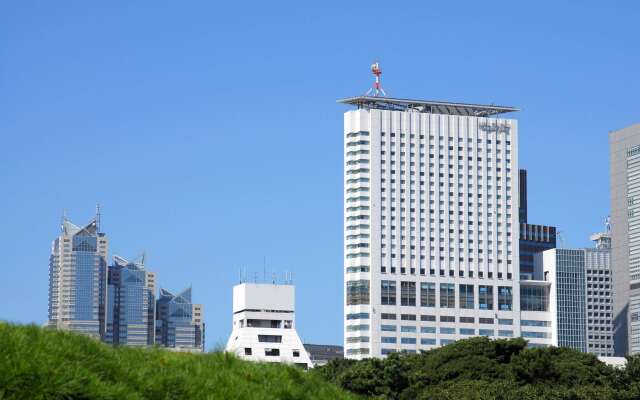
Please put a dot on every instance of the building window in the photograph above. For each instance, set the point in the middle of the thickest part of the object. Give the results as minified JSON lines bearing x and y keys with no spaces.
{"x":272,"y":352}
{"x":428,"y":294}
{"x":269,"y":338}
{"x":485,"y":297}
{"x":296,"y":353}
{"x":505,"y":298}
{"x":447,"y":295}
{"x":388,"y":293}
{"x":247,"y":351}
{"x":357,"y":292}
{"x":408,"y":293}
{"x":533,"y":298}
{"x":466,"y":296}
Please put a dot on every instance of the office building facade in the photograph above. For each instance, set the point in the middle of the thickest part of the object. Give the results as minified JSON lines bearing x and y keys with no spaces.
{"x":179,"y":323}
{"x":77,"y":279}
{"x":580,"y":296}
{"x":431,"y":225}
{"x":624,"y":152}
{"x":599,"y":296}
{"x":264,"y":325}
{"x":130,"y":315}
{"x":533,"y":238}
{"x":566,"y":269}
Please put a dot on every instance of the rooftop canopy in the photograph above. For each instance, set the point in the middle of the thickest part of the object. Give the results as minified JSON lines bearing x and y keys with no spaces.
{"x":427,"y":106}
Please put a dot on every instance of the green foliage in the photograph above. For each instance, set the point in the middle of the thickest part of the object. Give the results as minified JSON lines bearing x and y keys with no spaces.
{"x":480,"y":368}
{"x":38,"y":363}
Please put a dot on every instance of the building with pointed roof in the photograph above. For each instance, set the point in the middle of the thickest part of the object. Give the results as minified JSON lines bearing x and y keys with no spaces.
{"x":179,"y":322}
{"x":77,"y":279}
{"x":130,"y":314}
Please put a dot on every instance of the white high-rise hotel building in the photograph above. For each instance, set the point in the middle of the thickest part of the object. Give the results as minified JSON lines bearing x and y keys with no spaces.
{"x":431,"y":225}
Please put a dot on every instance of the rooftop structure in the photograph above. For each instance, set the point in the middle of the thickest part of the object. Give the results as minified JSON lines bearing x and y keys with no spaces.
{"x":320,"y":354}
{"x":427,"y":106}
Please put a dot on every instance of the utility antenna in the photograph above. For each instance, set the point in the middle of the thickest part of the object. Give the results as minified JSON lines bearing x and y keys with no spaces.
{"x":64,"y":218}
{"x":98,"y":218}
{"x":560,"y":238}
{"x":377,"y":86}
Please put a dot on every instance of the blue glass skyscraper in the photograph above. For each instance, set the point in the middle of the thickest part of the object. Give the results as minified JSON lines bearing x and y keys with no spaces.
{"x":130,"y":315}
{"x":77,"y":279}
{"x":180,"y":323}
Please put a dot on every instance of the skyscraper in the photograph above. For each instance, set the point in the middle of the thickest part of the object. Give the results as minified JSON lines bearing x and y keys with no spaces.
{"x":565,"y":269}
{"x":580,"y":309}
{"x":431,"y":224}
{"x":599,"y":296}
{"x":179,"y":322}
{"x":130,"y":303}
{"x":624,"y":152}
{"x":77,"y":279}
{"x":533,"y":238}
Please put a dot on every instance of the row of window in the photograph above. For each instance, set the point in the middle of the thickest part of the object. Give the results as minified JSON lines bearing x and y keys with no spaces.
{"x":447,"y":295}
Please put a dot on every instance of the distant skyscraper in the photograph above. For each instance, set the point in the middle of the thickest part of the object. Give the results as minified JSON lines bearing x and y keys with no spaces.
{"x":599,"y":296}
{"x":565,"y":268}
{"x":264,"y":324}
{"x":179,"y":322}
{"x":77,"y":279}
{"x":580,"y":311}
{"x":624,"y":154}
{"x":130,"y":303}
{"x":533,"y":238}
{"x":431,"y":224}
{"x":522,"y":209}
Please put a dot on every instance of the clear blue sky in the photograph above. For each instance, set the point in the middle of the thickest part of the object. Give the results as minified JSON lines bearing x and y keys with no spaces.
{"x":210,"y":135}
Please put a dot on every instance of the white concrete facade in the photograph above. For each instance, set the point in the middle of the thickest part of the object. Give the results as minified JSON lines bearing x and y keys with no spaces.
{"x":264,"y":325}
{"x":431,"y":230}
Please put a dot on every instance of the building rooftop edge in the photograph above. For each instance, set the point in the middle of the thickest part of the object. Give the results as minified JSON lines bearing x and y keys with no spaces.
{"x":430,"y":106}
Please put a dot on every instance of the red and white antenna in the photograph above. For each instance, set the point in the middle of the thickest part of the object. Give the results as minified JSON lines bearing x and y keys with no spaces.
{"x":377,"y":87}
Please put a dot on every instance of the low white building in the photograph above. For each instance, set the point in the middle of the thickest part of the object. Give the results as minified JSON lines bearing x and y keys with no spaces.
{"x":264,"y":325}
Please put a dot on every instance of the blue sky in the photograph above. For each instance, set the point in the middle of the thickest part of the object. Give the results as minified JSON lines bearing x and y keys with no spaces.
{"x":210,"y":135}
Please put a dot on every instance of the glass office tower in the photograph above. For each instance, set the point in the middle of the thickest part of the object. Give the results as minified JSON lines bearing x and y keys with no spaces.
{"x":179,"y":323}
{"x":131,"y":303}
{"x":77,"y":279}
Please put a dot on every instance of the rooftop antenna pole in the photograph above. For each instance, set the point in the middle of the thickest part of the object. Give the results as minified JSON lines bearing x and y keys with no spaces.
{"x":377,"y":86}
{"x":64,"y":218}
{"x":98,"y":217}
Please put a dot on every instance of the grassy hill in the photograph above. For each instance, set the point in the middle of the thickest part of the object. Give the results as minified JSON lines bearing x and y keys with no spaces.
{"x":38,"y":363}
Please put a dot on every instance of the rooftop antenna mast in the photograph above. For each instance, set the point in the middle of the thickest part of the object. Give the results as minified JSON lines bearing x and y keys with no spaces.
{"x":98,"y":217}
{"x":377,"y":86}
